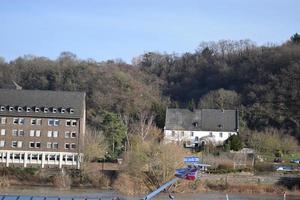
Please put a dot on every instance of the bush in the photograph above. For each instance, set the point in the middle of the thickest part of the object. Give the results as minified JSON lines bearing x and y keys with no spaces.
{"x":235,"y":143}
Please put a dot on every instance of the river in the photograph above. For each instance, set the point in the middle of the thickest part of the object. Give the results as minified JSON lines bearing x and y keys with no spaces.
{"x":93,"y":194}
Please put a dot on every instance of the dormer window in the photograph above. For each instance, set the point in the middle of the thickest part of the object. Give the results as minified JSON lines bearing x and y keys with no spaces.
{"x":2,"y":108}
{"x":19,"y":109}
{"x":36,"y":109}
{"x":11,"y":108}
{"x":28,"y":109}
{"x":62,"y":110}
{"x":71,"y":110}
{"x":54,"y":110}
{"x":46,"y":109}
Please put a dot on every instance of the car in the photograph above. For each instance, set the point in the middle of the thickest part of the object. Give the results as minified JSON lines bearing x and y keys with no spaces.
{"x":295,"y":161}
{"x":284,"y":168}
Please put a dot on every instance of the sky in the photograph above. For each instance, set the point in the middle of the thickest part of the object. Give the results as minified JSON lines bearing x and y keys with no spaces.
{"x":123,"y":29}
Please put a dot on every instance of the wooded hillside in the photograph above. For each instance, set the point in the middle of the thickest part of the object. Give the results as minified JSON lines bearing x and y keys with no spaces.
{"x":263,"y":82}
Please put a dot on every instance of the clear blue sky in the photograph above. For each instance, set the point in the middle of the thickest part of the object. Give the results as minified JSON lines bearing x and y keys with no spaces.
{"x":111,"y":29}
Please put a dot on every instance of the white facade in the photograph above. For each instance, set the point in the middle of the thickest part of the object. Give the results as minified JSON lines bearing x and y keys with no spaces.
{"x":41,"y":158}
{"x":192,"y":137}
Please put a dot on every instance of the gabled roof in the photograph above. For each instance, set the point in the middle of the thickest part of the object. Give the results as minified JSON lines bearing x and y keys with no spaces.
{"x":42,"y":99}
{"x":201,"y":120}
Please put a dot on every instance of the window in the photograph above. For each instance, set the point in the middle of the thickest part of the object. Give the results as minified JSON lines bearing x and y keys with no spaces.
{"x":35,"y":121}
{"x":19,"y":144}
{"x":62,"y":110}
{"x":55,"y":145}
{"x":68,"y":122}
{"x":34,"y":145}
{"x":74,"y":122}
{"x":21,"y":133}
{"x":14,"y":144}
{"x":49,"y":145}
{"x":16,"y":121}
{"x":2,"y":143}
{"x":31,"y":145}
{"x":3,"y":131}
{"x":73,"y":135}
{"x":19,"y":109}
{"x":45,"y":110}
{"x":52,"y":134}
{"x":71,"y":110}
{"x":14,"y":132}
{"x":11,"y":108}
{"x":54,"y":110}
{"x":192,"y":134}
{"x":36,"y":109}
{"x":31,"y":133}
{"x":221,"y":134}
{"x":3,"y":120}
{"x":67,"y":146}
{"x":21,"y":121}
{"x":2,"y":108}
{"x":28,"y":109}
{"x":67,"y":134}
{"x":53,"y":122}
{"x":36,"y":133}
{"x":73,"y":146}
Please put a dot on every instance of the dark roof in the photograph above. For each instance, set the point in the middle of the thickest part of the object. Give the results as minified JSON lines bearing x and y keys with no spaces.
{"x":42,"y":99}
{"x":201,"y":120}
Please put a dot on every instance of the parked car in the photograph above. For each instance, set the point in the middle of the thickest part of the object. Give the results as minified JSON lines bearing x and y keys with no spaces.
{"x":295,"y":161}
{"x":284,"y":168}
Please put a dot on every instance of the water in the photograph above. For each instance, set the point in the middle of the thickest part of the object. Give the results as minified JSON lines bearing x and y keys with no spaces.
{"x":93,"y":194}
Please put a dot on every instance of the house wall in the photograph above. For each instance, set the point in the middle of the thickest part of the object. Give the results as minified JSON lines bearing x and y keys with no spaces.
{"x":180,"y":136}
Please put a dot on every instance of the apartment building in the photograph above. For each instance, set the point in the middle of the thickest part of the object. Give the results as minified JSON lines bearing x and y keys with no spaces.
{"x":41,"y":128}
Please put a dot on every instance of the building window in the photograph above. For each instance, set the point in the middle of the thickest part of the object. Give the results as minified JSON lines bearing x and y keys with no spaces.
{"x":68,"y":122}
{"x":2,"y":108}
{"x":20,"y":144}
{"x":53,"y":122}
{"x":67,"y":146}
{"x":36,"y":109}
{"x":52,"y":134}
{"x":2,"y":143}
{"x":14,"y":132}
{"x":36,"y":133}
{"x":73,"y":135}
{"x":221,"y":134}
{"x":73,"y":146}
{"x":45,"y":110}
{"x":28,"y":109}
{"x":35,"y":121}
{"x":20,"y":109}
{"x":71,"y":122}
{"x":74,"y":123}
{"x":3,"y":120}
{"x":31,"y":145}
{"x":11,"y":108}
{"x":49,"y":145}
{"x":3,"y":131}
{"x":67,"y":134}
{"x":55,"y":145}
{"x":62,"y":110}
{"x":192,"y":134}
{"x":71,"y":110}
{"x":54,"y":110}
{"x":16,"y":121}
{"x":20,"y":121}
{"x":34,"y":145}
{"x":21,"y":133}
{"x":14,"y":144}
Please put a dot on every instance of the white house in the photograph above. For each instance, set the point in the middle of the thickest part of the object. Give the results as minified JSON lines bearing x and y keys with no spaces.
{"x":199,"y":127}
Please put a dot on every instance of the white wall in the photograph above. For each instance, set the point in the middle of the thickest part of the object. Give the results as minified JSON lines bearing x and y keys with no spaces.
{"x":179,"y":136}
